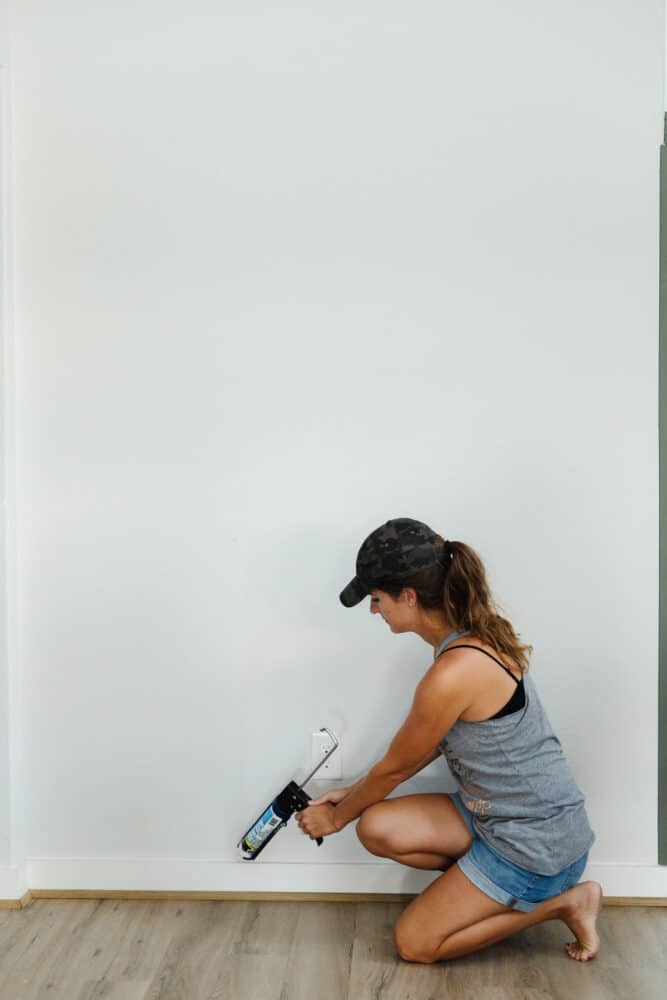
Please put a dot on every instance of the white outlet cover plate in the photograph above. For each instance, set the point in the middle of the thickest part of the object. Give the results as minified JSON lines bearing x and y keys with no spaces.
{"x":331,"y":769}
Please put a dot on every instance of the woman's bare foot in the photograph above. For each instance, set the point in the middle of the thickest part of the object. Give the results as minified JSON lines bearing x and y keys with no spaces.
{"x":582,"y":904}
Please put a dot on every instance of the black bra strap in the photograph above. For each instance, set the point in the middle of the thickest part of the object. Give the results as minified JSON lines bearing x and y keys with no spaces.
{"x":464,"y":646}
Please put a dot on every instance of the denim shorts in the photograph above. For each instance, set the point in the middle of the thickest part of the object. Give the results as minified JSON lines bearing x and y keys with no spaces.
{"x":505,"y":881}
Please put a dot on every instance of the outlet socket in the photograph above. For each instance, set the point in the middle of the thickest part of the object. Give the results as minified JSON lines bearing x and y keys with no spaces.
{"x":331,"y":769}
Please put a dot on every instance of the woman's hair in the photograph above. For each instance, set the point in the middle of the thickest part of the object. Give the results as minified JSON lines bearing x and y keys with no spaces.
{"x":459,"y":588}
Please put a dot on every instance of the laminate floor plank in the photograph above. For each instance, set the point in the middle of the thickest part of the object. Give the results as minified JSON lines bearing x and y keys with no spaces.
{"x":320,"y":951}
{"x":264,"y":927}
{"x":113,"y":989}
{"x":86,"y":951}
{"x":192,"y":956}
{"x":28,"y":964}
{"x":373,"y":951}
{"x":246,"y":977}
{"x":125,"y":940}
{"x":299,"y":950}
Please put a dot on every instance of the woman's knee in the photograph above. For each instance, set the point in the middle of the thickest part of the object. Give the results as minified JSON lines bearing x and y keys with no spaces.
{"x":409,"y":949}
{"x":370,"y":826}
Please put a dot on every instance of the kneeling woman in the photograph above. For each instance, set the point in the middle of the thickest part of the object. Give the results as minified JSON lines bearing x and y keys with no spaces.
{"x":513,"y":840}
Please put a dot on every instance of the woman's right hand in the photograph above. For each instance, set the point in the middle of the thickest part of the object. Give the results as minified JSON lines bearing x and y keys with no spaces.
{"x":334,"y":795}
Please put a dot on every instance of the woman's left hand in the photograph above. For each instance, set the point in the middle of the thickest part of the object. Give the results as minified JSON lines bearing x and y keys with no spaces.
{"x":317,"y":821}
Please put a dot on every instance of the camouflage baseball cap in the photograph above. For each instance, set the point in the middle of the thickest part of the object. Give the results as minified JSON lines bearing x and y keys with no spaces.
{"x":399,"y":548}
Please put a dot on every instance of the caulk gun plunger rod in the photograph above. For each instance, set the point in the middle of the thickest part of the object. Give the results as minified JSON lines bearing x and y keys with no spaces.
{"x":326,"y":756}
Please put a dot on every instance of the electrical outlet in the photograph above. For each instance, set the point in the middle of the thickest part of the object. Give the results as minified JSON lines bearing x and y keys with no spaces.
{"x":331,"y":769}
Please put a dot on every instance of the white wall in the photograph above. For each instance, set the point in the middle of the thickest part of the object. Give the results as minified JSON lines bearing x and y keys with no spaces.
{"x":5,"y":778}
{"x":284,"y":272}
{"x":12,"y":853}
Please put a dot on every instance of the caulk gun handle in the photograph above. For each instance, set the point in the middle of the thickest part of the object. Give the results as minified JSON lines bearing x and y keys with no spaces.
{"x":301,"y":800}
{"x":299,"y":808}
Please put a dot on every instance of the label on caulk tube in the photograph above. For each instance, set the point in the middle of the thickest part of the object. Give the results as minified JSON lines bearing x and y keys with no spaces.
{"x":262,"y":828}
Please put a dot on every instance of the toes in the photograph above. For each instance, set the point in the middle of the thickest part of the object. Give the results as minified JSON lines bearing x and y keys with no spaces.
{"x":578,"y":954}
{"x":575,"y":951}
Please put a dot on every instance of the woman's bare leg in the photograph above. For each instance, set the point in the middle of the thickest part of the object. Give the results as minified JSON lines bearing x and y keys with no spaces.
{"x":420,"y":831}
{"x":422,"y":859}
{"x":390,"y":828}
{"x":578,"y":908}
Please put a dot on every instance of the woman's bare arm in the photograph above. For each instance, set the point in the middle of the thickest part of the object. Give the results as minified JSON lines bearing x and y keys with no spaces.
{"x":434,"y":754}
{"x":420,"y":767}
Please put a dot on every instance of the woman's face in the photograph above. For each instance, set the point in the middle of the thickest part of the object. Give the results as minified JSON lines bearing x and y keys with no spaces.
{"x":397,"y":613}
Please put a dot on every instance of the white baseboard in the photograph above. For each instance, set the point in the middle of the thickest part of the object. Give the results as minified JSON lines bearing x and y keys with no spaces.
{"x":13,"y":883}
{"x":166,"y":875}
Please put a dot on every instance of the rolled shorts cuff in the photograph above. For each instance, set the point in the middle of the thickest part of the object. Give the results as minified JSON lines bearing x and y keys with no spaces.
{"x":478,"y":878}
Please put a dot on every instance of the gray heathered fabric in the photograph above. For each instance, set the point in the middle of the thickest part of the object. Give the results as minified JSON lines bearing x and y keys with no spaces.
{"x":513,"y":775}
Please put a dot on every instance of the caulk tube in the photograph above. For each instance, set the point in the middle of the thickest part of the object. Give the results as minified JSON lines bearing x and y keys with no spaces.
{"x":291,"y":799}
{"x":267,"y":824}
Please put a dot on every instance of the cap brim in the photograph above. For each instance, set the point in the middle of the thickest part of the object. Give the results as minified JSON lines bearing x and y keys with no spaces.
{"x":354,"y":593}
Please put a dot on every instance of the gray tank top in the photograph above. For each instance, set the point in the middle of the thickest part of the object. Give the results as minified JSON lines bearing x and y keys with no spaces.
{"x":513,"y":776}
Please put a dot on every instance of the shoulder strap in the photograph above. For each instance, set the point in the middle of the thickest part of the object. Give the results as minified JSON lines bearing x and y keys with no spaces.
{"x":464,"y":646}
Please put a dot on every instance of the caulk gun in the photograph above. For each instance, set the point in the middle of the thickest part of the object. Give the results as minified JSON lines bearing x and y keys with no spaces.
{"x":292,"y":799}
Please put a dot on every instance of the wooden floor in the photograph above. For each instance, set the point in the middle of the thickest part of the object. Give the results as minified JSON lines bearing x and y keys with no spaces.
{"x":113,"y":949}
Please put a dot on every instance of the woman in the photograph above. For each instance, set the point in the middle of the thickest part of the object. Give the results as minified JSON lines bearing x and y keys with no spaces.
{"x":513,"y":840}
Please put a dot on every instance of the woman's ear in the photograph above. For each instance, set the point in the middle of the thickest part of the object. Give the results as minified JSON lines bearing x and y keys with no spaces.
{"x":410,"y":596}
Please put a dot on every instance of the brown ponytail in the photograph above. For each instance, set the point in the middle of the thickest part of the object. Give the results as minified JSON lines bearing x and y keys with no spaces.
{"x":459,"y":587}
